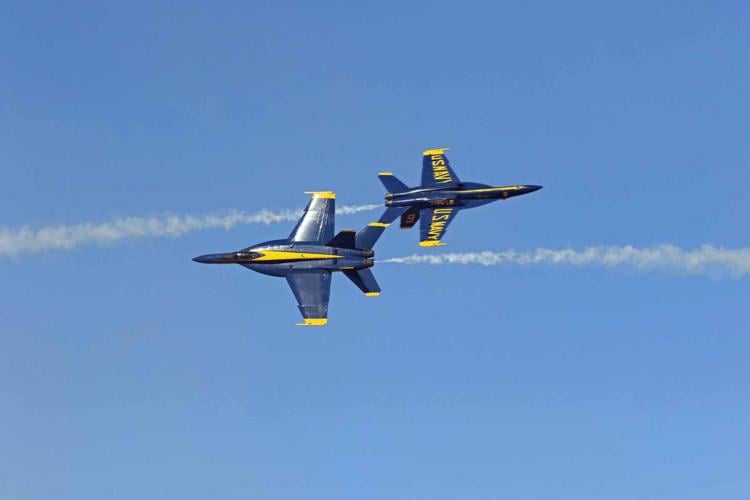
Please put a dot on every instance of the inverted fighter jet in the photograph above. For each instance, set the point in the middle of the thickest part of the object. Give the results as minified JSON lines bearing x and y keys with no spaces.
{"x":308,"y":257}
{"x":440,"y":197}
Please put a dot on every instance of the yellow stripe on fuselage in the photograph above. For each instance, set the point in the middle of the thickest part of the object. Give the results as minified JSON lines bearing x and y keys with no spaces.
{"x":277,"y":255}
{"x":489,"y":190}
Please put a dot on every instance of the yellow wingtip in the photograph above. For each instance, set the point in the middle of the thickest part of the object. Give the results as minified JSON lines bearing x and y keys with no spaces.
{"x":378,"y":224}
{"x":385,"y":173}
{"x":372,"y":294}
{"x":431,"y":243}
{"x":313,"y":322}
{"x":436,"y":151}
{"x":322,"y":194}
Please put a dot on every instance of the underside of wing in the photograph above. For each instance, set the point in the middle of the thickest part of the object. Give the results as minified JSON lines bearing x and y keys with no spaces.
{"x":436,"y":170}
{"x":433,"y":224}
{"x":312,"y":290}
{"x":317,"y":223}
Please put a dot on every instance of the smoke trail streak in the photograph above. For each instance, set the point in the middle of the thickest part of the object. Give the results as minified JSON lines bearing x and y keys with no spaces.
{"x":25,"y":239}
{"x":705,"y":259}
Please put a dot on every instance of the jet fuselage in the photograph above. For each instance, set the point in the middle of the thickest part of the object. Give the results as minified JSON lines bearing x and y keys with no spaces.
{"x":468,"y":194}
{"x":279,"y":258}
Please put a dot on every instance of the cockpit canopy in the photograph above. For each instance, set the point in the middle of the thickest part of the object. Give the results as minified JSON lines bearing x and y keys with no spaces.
{"x":245,"y":255}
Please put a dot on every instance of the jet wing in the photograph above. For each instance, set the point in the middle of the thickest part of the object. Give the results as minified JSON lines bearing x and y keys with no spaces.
{"x":433,"y":224}
{"x":312,"y":290}
{"x":316,"y":224}
{"x":436,"y":170}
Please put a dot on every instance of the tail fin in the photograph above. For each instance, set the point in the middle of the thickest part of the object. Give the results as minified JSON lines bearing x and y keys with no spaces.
{"x":345,"y":239}
{"x":410,"y":218}
{"x":365,"y":281}
{"x":391,"y":183}
{"x":367,"y":237}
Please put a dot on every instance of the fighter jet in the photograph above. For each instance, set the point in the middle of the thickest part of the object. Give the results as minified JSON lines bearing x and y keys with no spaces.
{"x":440,"y":197}
{"x":308,"y":257}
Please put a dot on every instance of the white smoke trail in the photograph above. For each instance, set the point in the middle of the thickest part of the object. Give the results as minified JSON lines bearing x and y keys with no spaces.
{"x":26,"y":239}
{"x":706,"y":259}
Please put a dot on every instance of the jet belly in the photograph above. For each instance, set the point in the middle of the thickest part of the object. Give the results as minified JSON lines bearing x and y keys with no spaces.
{"x":281,"y":262}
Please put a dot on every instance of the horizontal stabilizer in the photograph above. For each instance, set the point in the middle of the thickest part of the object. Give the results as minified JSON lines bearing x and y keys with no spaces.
{"x":391,"y":183}
{"x":365,"y":281}
{"x":367,"y":237}
{"x":345,"y":239}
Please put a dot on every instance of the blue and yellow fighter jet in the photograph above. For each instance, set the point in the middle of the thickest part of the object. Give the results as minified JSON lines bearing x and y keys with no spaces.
{"x":308,"y":257}
{"x":439,"y":198}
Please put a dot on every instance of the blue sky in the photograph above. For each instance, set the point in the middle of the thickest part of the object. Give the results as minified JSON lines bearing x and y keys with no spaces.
{"x":128,"y":371}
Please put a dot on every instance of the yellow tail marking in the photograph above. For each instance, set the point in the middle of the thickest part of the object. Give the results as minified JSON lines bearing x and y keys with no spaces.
{"x":431,"y":243}
{"x":372,"y":294}
{"x":313,"y":322}
{"x":322,"y":194}
{"x":378,"y":224}
{"x":385,"y":173}
{"x":437,"y":151}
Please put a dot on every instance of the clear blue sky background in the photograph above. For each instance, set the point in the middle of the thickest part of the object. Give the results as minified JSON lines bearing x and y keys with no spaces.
{"x":130,"y":372}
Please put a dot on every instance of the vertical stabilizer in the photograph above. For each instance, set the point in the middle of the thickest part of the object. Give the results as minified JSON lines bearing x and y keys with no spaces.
{"x":367,"y":237}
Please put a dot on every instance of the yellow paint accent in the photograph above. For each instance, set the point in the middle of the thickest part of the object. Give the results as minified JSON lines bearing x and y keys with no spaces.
{"x":431,"y":243}
{"x":440,"y":218}
{"x":272,"y":255}
{"x":378,"y":224}
{"x":485,"y":190}
{"x":385,"y":173}
{"x":437,"y":151}
{"x":346,"y":268}
{"x":372,"y":294}
{"x":322,"y":194}
{"x":313,"y":322}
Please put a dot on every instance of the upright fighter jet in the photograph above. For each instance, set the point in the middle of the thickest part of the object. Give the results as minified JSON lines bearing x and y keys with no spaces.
{"x":439,"y":198}
{"x":308,"y":257}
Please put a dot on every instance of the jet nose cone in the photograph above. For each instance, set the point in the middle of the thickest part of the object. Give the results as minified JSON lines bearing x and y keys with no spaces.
{"x":206,"y":259}
{"x":532,"y":188}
